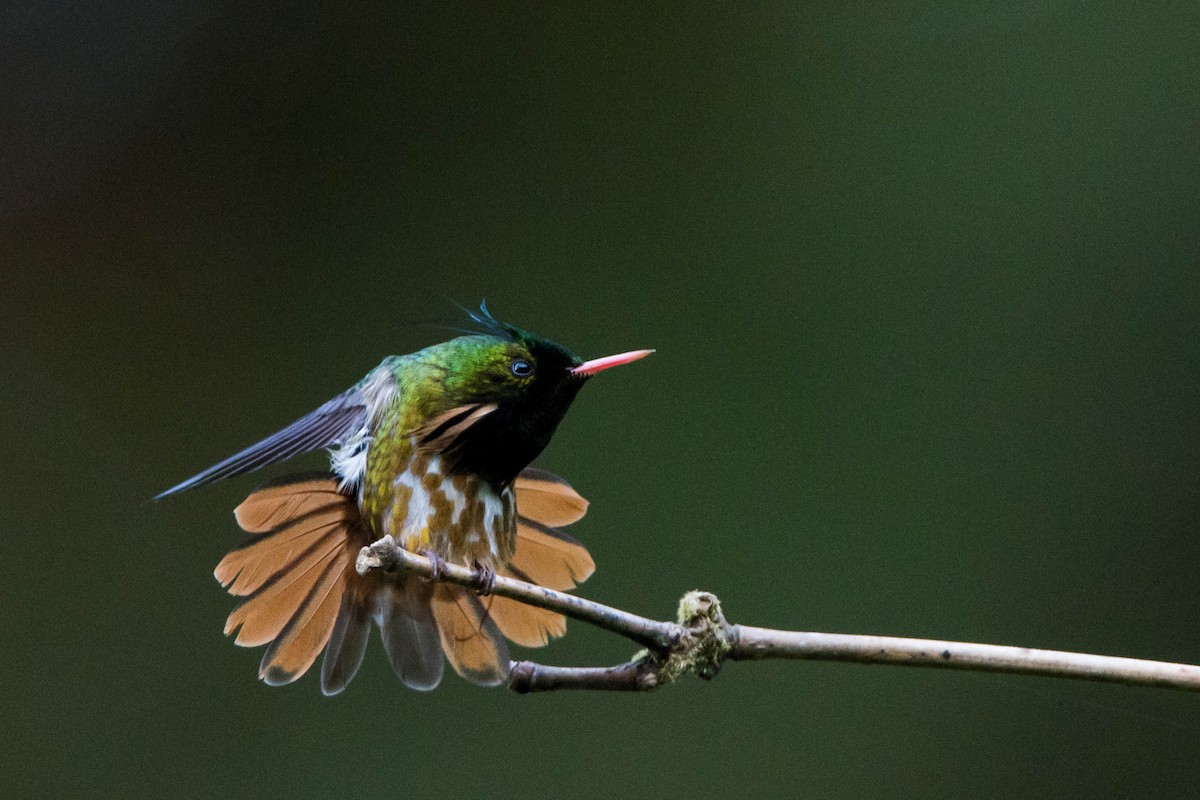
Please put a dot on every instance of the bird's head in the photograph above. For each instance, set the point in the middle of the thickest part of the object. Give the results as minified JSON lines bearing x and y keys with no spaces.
{"x":511,"y":388}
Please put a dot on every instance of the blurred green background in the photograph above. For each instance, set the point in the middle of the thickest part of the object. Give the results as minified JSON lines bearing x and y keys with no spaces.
{"x":924,"y":284}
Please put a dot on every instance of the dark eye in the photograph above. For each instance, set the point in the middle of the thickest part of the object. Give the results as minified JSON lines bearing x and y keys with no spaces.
{"x":522,"y":368}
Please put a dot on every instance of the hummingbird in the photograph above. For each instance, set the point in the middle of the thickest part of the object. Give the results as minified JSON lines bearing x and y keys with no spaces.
{"x":432,"y":448}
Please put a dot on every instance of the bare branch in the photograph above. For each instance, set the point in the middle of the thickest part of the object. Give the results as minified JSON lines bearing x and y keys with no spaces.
{"x":635,"y":676}
{"x":752,"y":644}
{"x":700,"y":641}
{"x":385,"y":554}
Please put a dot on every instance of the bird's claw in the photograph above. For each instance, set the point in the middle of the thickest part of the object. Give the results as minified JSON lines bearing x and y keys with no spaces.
{"x":485,"y":580}
{"x":437,"y":565}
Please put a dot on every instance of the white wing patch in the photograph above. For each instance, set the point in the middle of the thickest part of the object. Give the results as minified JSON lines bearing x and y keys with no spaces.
{"x":349,"y":460}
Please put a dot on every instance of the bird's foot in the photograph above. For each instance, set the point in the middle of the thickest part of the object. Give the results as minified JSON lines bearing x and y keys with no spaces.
{"x":437,"y":565}
{"x":485,"y":580}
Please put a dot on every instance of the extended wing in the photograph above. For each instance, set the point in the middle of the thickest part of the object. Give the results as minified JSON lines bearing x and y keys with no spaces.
{"x":331,"y":424}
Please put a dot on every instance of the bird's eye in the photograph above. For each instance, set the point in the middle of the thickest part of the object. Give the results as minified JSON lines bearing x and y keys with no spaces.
{"x":522,"y":368}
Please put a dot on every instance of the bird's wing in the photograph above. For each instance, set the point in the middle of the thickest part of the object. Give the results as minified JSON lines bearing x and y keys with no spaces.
{"x":332,"y":423}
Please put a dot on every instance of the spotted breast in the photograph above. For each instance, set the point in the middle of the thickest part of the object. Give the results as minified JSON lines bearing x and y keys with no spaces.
{"x":460,"y":517}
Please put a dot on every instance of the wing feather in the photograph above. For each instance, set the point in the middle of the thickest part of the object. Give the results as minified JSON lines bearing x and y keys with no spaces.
{"x":331,"y":424}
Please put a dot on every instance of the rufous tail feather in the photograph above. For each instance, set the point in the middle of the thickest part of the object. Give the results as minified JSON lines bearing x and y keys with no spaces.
{"x":303,"y":595}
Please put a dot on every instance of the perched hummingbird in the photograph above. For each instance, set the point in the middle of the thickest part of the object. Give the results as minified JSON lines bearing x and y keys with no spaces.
{"x":431,"y":448}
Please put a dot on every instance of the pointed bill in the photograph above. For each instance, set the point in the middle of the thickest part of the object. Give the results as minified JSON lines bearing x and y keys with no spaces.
{"x":600,"y":364}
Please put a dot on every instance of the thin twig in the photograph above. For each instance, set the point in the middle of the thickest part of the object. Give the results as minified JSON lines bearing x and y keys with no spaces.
{"x":701,"y":641}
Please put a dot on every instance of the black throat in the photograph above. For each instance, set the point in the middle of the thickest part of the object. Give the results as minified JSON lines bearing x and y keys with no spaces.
{"x":504,"y":442}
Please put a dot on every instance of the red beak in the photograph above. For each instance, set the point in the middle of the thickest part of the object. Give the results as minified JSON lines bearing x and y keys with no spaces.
{"x":589,"y":368}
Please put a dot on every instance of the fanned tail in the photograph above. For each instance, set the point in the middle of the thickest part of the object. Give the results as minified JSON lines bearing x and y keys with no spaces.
{"x":410,"y":634}
{"x":471,"y":641}
{"x":297,"y":575}
{"x":544,"y":555}
{"x":303,"y":595}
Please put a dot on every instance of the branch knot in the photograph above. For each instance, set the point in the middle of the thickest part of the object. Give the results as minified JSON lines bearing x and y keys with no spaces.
{"x":707,"y":638}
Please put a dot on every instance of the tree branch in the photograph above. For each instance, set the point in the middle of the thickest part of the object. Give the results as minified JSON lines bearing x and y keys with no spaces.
{"x":700,"y":641}
{"x":385,"y":554}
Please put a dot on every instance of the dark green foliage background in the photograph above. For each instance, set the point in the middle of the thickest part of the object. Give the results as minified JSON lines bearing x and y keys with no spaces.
{"x":924,"y":283}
